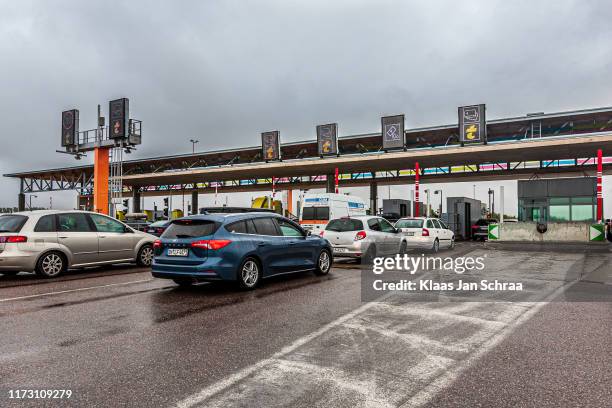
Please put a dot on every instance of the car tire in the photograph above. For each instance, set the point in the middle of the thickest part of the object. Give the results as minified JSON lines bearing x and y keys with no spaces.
{"x":403,"y":248}
{"x":324,"y":263}
{"x":436,"y":246}
{"x":369,"y":256}
{"x":184,"y":283}
{"x":51,"y":265}
{"x":145,"y":256}
{"x":249,"y":274}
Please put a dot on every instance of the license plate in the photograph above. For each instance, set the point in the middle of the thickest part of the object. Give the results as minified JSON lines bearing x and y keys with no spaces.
{"x":178,"y":252}
{"x":410,"y":234}
{"x":340,"y":250}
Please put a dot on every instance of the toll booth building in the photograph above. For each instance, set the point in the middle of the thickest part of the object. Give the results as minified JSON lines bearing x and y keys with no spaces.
{"x":462,"y":213}
{"x":557,"y":200}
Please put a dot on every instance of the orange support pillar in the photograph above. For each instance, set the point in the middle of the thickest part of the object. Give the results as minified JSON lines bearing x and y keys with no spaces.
{"x":290,"y":201}
{"x":101,"y":167}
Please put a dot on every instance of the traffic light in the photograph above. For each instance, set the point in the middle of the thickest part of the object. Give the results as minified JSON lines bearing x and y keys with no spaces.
{"x":166,"y":212}
{"x":119,"y":112}
{"x":125,"y":203}
{"x":70,"y":127}
{"x":166,"y":202}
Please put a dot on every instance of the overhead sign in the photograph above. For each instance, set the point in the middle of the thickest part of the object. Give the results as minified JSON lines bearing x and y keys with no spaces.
{"x":472,"y":124}
{"x":270,"y":145}
{"x":327,"y":139}
{"x":119,"y":111}
{"x":392,"y":132}
{"x":70,"y":127}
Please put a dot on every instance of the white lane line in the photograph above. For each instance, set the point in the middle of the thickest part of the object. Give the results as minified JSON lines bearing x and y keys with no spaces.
{"x":426,"y":394}
{"x":219,"y":386}
{"x":75,"y":290}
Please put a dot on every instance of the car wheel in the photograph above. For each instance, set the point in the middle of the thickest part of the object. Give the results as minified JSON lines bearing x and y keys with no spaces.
{"x":145,"y":256}
{"x":323,"y":263}
{"x":436,"y":246}
{"x":370,"y":254}
{"x":452,"y":243}
{"x":249,"y":274}
{"x":51,"y":265}
{"x":183,"y":282}
{"x":403,"y":248}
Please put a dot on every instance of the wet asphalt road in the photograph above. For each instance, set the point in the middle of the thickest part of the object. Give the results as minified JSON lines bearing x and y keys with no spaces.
{"x":121,"y":338}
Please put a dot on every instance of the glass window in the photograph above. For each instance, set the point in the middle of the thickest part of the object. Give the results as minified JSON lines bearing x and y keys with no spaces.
{"x":73,"y":222}
{"x":265,"y":226}
{"x":190,"y":228}
{"x":583,"y":200}
{"x":559,"y":213}
{"x":385,"y":225}
{"x":436,"y":224}
{"x":430,"y":224}
{"x":443,"y":225}
{"x":238,"y":227}
{"x":45,"y":224}
{"x":409,"y":223}
{"x":106,"y":224}
{"x":315,"y":213}
{"x":373,"y":224}
{"x":558,"y":200}
{"x":582,"y":212}
{"x":12,"y":223}
{"x":250,"y":227}
{"x":289,"y":230}
{"x":344,"y":225}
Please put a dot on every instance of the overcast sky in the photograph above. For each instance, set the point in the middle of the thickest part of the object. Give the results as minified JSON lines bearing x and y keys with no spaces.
{"x":223,"y":71}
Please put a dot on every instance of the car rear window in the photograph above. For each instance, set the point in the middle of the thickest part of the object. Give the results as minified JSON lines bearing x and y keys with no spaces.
{"x":190,"y":229}
{"x":315,"y":213}
{"x":344,"y":225}
{"x":482,"y":222}
{"x":409,"y":223}
{"x":12,"y":223}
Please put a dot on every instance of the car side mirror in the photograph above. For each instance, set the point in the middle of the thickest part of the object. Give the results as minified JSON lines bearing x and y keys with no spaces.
{"x":127,"y":230}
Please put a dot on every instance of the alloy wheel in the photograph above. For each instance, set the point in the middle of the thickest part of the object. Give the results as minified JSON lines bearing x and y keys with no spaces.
{"x":250,"y":273}
{"x":146,"y":256}
{"x":324,"y":262}
{"x":52,"y":265}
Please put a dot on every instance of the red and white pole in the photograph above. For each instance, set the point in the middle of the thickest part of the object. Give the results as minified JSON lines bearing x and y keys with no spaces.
{"x":599,"y":189}
{"x":336,"y":180}
{"x":416,"y":189}
{"x":273,"y":192}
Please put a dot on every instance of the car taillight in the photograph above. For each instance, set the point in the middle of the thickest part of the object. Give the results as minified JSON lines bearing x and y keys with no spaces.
{"x":322,"y":233}
{"x":213,"y":244}
{"x":157,"y":243}
{"x":360,"y":235}
{"x":13,"y":239}
{"x":159,"y":230}
{"x":425,"y":232}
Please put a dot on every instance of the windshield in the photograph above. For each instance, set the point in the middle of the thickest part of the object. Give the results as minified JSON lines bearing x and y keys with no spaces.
{"x":190,"y":229}
{"x":315,"y":213}
{"x":344,"y":224}
{"x":12,"y":223}
{"x":409,"y":223}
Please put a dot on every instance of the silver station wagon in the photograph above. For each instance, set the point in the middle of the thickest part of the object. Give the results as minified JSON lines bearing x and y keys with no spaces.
{"x":49,"y":242}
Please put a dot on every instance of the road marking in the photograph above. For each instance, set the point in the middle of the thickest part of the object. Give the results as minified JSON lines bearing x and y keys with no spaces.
{"x":75,"y":290}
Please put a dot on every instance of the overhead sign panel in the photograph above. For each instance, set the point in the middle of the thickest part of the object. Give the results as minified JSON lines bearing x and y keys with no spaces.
{"x":270,"y":144}
{"x":392,"y":132}
{"x":119,"y":111}
{"x":472,"y":124}
{"x":327,"y":139}
{"x":70,"y":127}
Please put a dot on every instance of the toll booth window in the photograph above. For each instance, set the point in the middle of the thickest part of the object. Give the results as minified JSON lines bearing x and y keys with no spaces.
{"x":74,"y":222}
{"x":106,"y":224}
{"x":344,"y":225}
{"x":12,"y":223}
{"x":315,"y":213}
{"x":45,"y":224}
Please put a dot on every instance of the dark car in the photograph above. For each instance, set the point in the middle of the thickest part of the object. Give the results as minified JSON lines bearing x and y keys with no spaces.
{"x":158,"y":227}
{"x":233,"y":210}
{"x":480,"y":230}
{"x":243,"y":247}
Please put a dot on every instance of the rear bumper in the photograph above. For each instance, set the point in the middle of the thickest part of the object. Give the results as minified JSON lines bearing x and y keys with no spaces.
{"x":354,"y":250}
{"x":419,"y":242}
{"x":212,"y":268}
{"x":16,"y":260}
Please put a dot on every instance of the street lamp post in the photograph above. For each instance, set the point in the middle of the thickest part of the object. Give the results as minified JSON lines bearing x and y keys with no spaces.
{"x":32,"y":195}
{"x":193,"y":143}
{"x":439,"y":192}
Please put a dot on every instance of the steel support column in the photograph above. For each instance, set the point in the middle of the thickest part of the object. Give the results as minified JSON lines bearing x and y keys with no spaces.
{"x":330,"y":186}
{"x":373,"y":197}
{"x":599,"y":186}
{"x":136,"y":200}
{"x":21,"y":197}
{"x":194,"y":202}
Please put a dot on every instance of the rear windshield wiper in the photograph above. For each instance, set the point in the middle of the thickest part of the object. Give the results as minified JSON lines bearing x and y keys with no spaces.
{"x":183,"y":236}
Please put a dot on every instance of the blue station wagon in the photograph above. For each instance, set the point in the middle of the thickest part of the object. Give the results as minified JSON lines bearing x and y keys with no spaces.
{"x":245,"y":248}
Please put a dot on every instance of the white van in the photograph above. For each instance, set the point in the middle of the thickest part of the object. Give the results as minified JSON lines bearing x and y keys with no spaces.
{"x":318,"y":209}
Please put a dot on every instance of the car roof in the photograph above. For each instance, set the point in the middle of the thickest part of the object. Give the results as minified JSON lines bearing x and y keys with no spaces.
{"x":223,"y":217}
{"x":47,"y":212}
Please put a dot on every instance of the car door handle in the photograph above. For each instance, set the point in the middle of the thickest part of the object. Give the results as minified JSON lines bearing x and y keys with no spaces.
{"x":261,"y":244}
{"x":62,"y":237}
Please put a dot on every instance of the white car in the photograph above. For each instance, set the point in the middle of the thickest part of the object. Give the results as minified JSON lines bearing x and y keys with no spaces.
{"x":363,"y":237}
{"x":425,"y":233}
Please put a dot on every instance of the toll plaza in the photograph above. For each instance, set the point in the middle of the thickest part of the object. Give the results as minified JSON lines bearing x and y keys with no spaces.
{"x":534,"y":146}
